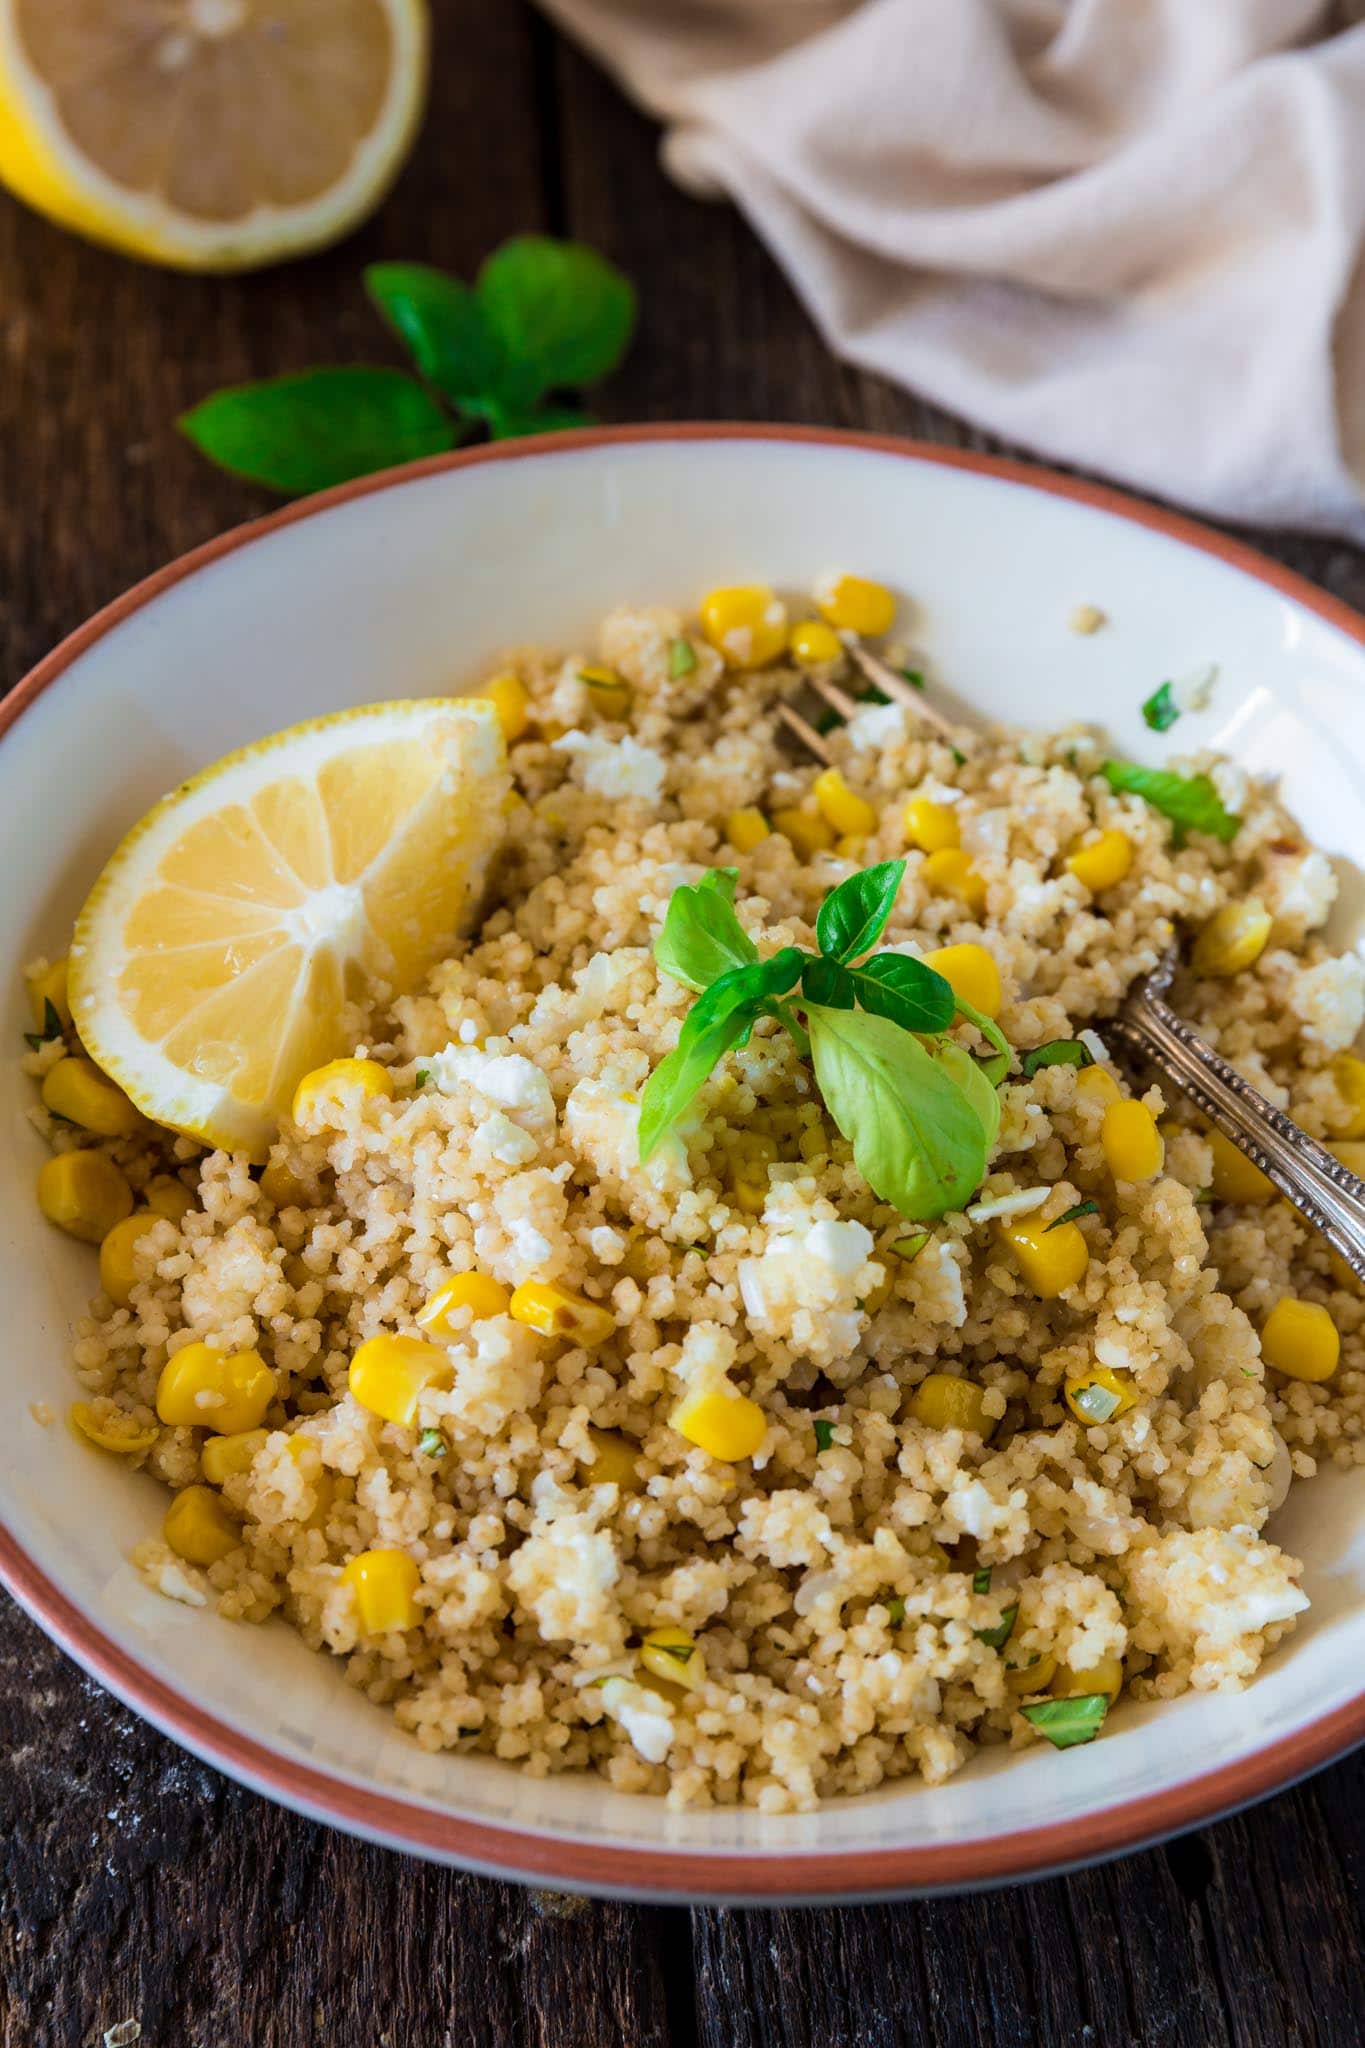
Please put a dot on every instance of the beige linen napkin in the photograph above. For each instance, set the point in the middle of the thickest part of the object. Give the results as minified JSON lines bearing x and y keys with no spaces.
{"x":1123,"y":233}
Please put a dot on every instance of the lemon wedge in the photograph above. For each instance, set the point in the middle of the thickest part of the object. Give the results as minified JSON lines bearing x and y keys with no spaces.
{"x":335,"y":861}
{"x":209,"y":134}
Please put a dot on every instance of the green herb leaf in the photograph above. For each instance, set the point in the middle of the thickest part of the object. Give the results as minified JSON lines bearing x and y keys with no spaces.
{"x":443,"y":326}
{"x":1161,"y":711}
{"x":908,"y":1248}
{"x":998,"y":1065}
{"x":895,"y":1610}
{"x":514,"y":423}
{"x":421,"y":1077}
{"x":682,"y":659}
{"x":1058,"y":1052}
{"x":981,"y":1581}
{"x":701,"y":937}
{"x":319,"y":427}
{"x":853,"y":917}
{"x":562,"y":314}
{"x":917,"y":1140}
{"x":719,"y":1021}
{"x":1069,"y":1722}
{"x":1190,"y":801}
{"x":996,"y":1637}
{"x":825,"y":981}
{"x":958,"y":756}
{"x":824,"y":1435}
{"x":432,"y":1444}
{"x":681,"y":1653}
{"x":906,"y":991}
{"x":52,"y":1027}
{"x":1071,"y":1215}
{"x":977,"y":1088}
{"x":913,"y":676}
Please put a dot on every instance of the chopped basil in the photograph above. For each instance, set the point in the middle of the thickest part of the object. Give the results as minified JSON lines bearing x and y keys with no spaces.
{"x":682,"y":658}
{"x":981,"y":1581}
{"x":1069,"y":1722}
{"x":431,"y":1444}
{"x":895,"y":1608}
{"x":681,"y":1653}
{"x":421,"y":1077}
{"x":908,"y":1248}
{"x":1191,"y":802}
{"x":1203,"y":1195}
{"x":958,"y":756}
{"x":824,"y":1435}
{"x":1161,"y":711}
{"x":997,"y":1637}
{"x":913,"y":676}
{"x":1058,"y":1052}
{"x":1097,"y":1404}
{"x":1070,"y":1215}
{"x":52,"y":1027}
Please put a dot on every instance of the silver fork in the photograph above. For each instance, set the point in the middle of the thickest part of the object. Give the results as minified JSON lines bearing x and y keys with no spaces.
{"x":1325,"y":1193}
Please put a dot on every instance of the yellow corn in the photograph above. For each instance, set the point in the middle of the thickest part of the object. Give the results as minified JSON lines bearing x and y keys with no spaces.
{"x":555,"y":1312}
{"x":120,"y":1434}
{"x":931,"y":826}
{"x":225,"y":1391}
{"x":166,"y":1196}
{"x":1050,"y":1260}
{"x":608,"y":693}
{"x":384,"y":1583}
{"x":808,"y":832}
{"x":813,"y":642}
{"x":473,"y":1295}
{"x":388,"y":1375}
{"x":84,"y":1194}
{"x":118,"y":1255}
{"x":199,"y":1528}
{"x":76,"y":1089}
{"x":1106,"y":1676}
{"x":1349,"y":1074}
{"x":747,"y":829}
{"x":1035,"y":1677}
{"x":325,"y":1086}
{"x":971,"y":974}
{"x":281,"y":1186}
{"x":746,"y":623}
{"x":1232,"y":939}
{"x":674,"y":1654}
{"x":1300,"y":1340}
{"x":1132,"y":1143}
{"x":841,"y":807}
{"x":945,"y":1402}
{"x":615,"y":1460}
{"x":49,"y":986}
{"x":225,"y":1457}
{"x":1235,"y":1177}
{"x":1099,"y":1395}
{"x":511,"y":700}
{"x":949,"y":872}
{"x":1103,"y":862}
{"x":1097,"y":1085}
{"x":722,"y":1423}
{"x":855,"y":605}
{"x":851,"y":847}
{"x":748,"y":1173}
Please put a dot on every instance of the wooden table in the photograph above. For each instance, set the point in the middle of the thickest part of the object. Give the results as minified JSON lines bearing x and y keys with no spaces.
{"x":134,"y":1883}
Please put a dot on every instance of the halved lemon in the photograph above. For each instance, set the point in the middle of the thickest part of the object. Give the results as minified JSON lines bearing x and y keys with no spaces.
{"x":209,"y":134}
{"x":212,"y":961}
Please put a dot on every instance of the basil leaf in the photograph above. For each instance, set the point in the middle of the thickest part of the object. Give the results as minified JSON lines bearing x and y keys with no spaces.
{"x":998,"y":1065}
{"x":421,"y":1077}
{"x":853,"y":917}
{"x":319,"y":427}
{"x":682,"y":659}
{"x":1069,"y":1722}
{"x":825,"y":981}
{"x":431,"y":1444}
{"x":975,"y":1083}
{"x":996,"y":1637}
{"x":917,"y":1140}
{"x":1058,"y":1052}
{"x":824,"y":1435}
{"x":908,"y":1248}
{"x":1070,"y":1215}
{"x":981,"y":1580}
{"x":511,"y":423}
{"x":1190,"y":801}
{"x":895,"y":1610}
{"x":52,"y":1027}
{"x":442,"y":325}
{"x":1161,"y":711}
{"x":906,"y":991}
{"x":718,"y":1022}
{"x":561,"y":313}
{"x":701,"y":937}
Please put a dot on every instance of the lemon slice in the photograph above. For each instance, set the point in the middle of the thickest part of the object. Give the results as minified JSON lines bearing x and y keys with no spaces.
{"x":209,"y":134}
{"x":211,"y":963}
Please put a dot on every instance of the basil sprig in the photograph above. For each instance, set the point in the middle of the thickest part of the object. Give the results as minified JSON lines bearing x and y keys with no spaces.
{"x":1066,"y":1723}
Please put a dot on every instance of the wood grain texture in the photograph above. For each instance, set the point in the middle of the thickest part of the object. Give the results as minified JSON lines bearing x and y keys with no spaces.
{"x":134,"y":1883}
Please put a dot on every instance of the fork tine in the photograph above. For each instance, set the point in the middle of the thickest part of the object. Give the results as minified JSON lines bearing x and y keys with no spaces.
{"x":805,"y":732}
{"x":837,"y":699}
{"x":891,"y":685}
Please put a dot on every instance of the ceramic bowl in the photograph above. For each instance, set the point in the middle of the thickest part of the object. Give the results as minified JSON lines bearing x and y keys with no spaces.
{"x":410,"y":584}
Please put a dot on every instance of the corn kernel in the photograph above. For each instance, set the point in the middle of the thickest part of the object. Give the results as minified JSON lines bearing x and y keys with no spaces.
{"x":813,"y":643}
{"x":84,"y":1194}
{"x":118,"y":1255}
{"x":384,"y":1583}
{"x":116,"y":1433}
{"x":721,"y":1422}
{"x":1235,"y":1177}
{"x":1099,"y":1395}
{"x":77,"y":1090}
{"x":851,"y":847}
{"x":1232,"y":939}
{"x":748,"y":1172}
{"x":388,"y":1375}
{"x":282,"y":1187}
{"x":945,"y":1402}
{"x":1034,"y":1677}
{"x":841,"y":807}
{"x":971,"y":974}
{"x":950,"y":872}
{"x":199,"y":1528}
{"x":555,"y":1312}
{"x":1133,"y":1146}
{"x":1105,"y":1675}
{"x":225,"y":1391}
{"x":1300,"y":1340}
{"x":609,"y":695}
{"x":746,"y":623}
{"x":747,"y":829}
{"x":931,"y":826}
{"x":855,"y":605}
{"x":1050,"y":1260}
{"x":477,"y":1294}
{"x":323,"y":1089}
{"x":808,"y":832}
{"x":1096,"y":1085}
{"x":49,"y":986}
{"x":511,"y":700}
{"x":1103,"y":862}
{"x":615,"y":1460}
{"x":226,"y":1457}
{"x":166,"y":1196}
{"x":674,"y":1654}
{"x":1349,"y":1074}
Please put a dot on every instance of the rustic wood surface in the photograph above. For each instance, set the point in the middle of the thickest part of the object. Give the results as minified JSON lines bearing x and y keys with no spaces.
{"x":134,"y":1883}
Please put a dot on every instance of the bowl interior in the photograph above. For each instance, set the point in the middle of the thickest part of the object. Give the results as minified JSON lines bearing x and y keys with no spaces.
{"x":414,"y":589}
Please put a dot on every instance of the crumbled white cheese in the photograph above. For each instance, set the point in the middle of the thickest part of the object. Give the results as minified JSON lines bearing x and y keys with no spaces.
{"x":613,"y":768}
{"x":646,"y":1717}
{"x":874,"y":726}
{"x":1094,"y":1045}
{"x":508,"y":1080}
{"x":1017,"y":1204}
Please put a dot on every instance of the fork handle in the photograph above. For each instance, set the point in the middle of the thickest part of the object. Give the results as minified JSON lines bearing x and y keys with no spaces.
{"x":1325,"y":1193}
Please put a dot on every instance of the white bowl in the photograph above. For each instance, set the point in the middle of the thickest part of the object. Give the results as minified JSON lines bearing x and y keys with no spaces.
{"x":409,"y":584}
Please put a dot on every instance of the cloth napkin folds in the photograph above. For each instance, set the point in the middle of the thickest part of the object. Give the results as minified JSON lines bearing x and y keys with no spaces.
{"x":1126,"y":234}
